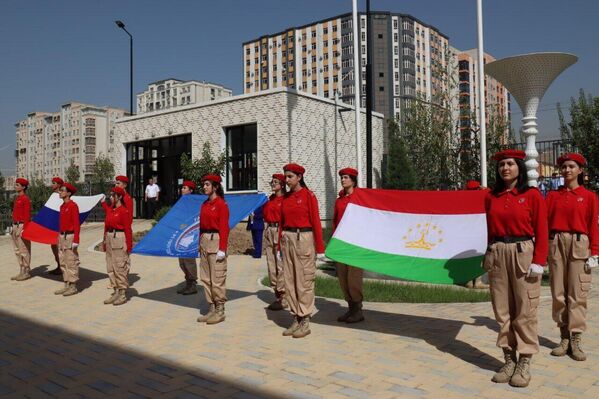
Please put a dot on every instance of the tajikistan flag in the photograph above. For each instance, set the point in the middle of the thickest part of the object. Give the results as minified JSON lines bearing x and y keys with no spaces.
{"x":427,"y":236}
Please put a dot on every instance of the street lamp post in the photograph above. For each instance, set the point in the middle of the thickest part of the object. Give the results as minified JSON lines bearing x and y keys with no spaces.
{"x":121,"y":25}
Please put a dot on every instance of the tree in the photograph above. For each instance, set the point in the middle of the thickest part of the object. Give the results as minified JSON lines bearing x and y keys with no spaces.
{"x":103,"y":174}
{"x":38,"y":193}
{"x":583,"y":130}
{"x":195,"y":169}
{"x":72,"y":173}
{"x":398,"y":173}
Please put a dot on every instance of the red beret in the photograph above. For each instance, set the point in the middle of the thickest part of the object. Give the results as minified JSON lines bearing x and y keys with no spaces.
{"x":57,"y":180}
{"x":212,"y":178}
{"x":70,"y":188}
{"x":348,"y":171}
{"x":119,"y":191}
{"x":472,"y":185}
{"x":295,"y":168}
{"x":279,"y":176}
{"x":189,"y":184}
{"x":22,"y":181}
{"x":122,"y":178}
{"x":516,"y":154}
{"x":579,"y":159}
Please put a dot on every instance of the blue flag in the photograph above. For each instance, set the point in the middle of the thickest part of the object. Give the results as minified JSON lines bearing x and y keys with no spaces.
{"x":177,"y":233}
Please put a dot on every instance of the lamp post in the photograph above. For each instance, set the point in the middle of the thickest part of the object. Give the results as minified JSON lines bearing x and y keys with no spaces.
{"x":121,"y":25}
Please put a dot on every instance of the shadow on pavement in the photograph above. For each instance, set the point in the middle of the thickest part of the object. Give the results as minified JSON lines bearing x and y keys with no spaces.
{"x":86,"y":276}
{"x":195,"y":301}
{"x":491,"y":324}
{"x":440,"y":333}
{"x":37,"y":360}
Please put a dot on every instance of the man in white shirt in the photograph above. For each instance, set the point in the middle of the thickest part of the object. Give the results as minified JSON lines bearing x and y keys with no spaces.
{"x":152,"y":197}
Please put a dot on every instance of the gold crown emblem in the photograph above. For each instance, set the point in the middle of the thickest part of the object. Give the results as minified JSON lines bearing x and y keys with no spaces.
{"x":424,"y":236}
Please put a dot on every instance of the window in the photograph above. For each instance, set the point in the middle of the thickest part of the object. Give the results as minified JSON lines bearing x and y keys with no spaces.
{"x":242,"y":157}
{"x":381,"y":88}
{"x":313,"y":46}
{"x":313,"y":59}
{"x":326,"y":81}
{"x":334,"y":28}
{"x":313,"y":33}
{"x":380,"y":36}
{"x":325,"y":31}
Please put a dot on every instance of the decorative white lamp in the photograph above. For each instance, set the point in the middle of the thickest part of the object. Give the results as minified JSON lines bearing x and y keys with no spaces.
{"x":527,"y":78}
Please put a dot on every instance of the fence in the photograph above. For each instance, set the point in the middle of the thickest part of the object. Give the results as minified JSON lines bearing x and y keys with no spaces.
{"x":549,"y":151}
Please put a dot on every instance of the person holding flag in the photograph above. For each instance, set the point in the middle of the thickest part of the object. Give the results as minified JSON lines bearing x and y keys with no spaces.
{"x":21,"y":216}
{"x":272,"y":217}
{"x":188,"y":265}
{"x":68,"y":240}
{"x":57,"y":183}
{"x":214,"y":236}
{"x":517,"y":251}
{"x":350,"y":278}
{"x":118,"y":243}
{"x":301,"y":242}
{"x":574,"y":248}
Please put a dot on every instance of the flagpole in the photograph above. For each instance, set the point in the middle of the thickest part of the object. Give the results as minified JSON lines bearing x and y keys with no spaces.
{"x":482,"y":121}
{"x":357,"y":77}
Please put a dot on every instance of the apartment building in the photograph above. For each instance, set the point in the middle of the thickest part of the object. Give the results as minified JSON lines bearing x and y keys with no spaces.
{"x":47,"y":142}
{"x":408,"y":59}
{"x":496,"y":95}
{"x":171,"y":93}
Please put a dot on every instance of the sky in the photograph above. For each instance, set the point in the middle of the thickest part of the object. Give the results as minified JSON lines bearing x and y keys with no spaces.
{"x":53,"y":52}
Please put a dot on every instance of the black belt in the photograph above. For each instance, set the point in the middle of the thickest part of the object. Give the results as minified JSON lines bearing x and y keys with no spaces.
{"x":18,"y":223}
{"x":64,"y":233}
{"x":208,"y":231}
{"x":511,"y":240}
{"x":116,"y":231}
{"x":273,"y":224}
{"x":554,"y":233}
{"x":298,"y":229}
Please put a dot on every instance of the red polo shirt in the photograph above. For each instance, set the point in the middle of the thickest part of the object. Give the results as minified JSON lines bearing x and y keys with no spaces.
{"x":119,"y":219}
{"x":575,"y":211}
{"x":515,"y":214}
{"x":300,"y":210}
{"x":272,"y":209}
{"x":128,"y":202}
{"x":69,"y":219}
{"x":21,"y":211}
{"x":214,"y":215}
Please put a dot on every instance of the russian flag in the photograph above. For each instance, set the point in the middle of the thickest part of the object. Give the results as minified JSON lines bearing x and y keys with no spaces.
{"x":44,"y":229}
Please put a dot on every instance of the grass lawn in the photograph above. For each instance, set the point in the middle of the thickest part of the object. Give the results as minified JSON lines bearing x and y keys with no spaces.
{"x":380,"y":291}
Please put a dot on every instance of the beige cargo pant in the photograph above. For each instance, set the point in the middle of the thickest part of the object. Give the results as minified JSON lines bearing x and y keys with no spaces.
{"x":570,"y":284}
{"x":350,"y":280}
{"x":213,"y":274}
{"x":118,"y":263}
{"x":68,"y":258}
{"x":190,"y":268}
{"x":514,"y":296}
{"x":275,"y":268}
{"x":21,"y":247}
{"x":299,"y":270}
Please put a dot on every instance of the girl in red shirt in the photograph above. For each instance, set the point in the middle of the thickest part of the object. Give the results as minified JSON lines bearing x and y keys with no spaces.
{"x":21,"y":215}
{"x":350,"y":278}
{"x":118,"y":243}
{"x":301,"y":242}
{"x":517,"y":235}
{"x":574,"y":246}
{"x":272,"y":217}
{"x":214,"y":235}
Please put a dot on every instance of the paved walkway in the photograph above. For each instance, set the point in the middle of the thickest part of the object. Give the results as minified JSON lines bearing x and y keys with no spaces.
{"x":153,"y":347}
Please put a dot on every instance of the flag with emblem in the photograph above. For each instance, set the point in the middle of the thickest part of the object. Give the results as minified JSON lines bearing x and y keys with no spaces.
{"x":428,"y":236}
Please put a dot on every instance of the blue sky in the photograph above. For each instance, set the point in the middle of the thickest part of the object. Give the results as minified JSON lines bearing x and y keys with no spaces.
{"x":52,"y":52}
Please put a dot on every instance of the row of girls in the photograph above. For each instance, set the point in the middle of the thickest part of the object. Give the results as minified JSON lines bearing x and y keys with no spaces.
{"x":293,"y":241}
{"x":117,"y":240}
{"x":526,"y":232}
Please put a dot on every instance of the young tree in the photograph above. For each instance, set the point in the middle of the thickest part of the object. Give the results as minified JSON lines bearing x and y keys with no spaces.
{"x":583,"y":130}
{"x":195,"y":169}
{"x":72,"y":173}
{"x":103,"y":174}
{"x":398,"y":173}
{"x":38,"y":193}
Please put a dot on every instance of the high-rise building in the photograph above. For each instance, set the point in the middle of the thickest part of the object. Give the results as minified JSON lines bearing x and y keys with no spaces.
{"x":47,"y":143}
{"x":317,"y":58}
{"x":496,"y":96}
{"x":170,"y":93}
